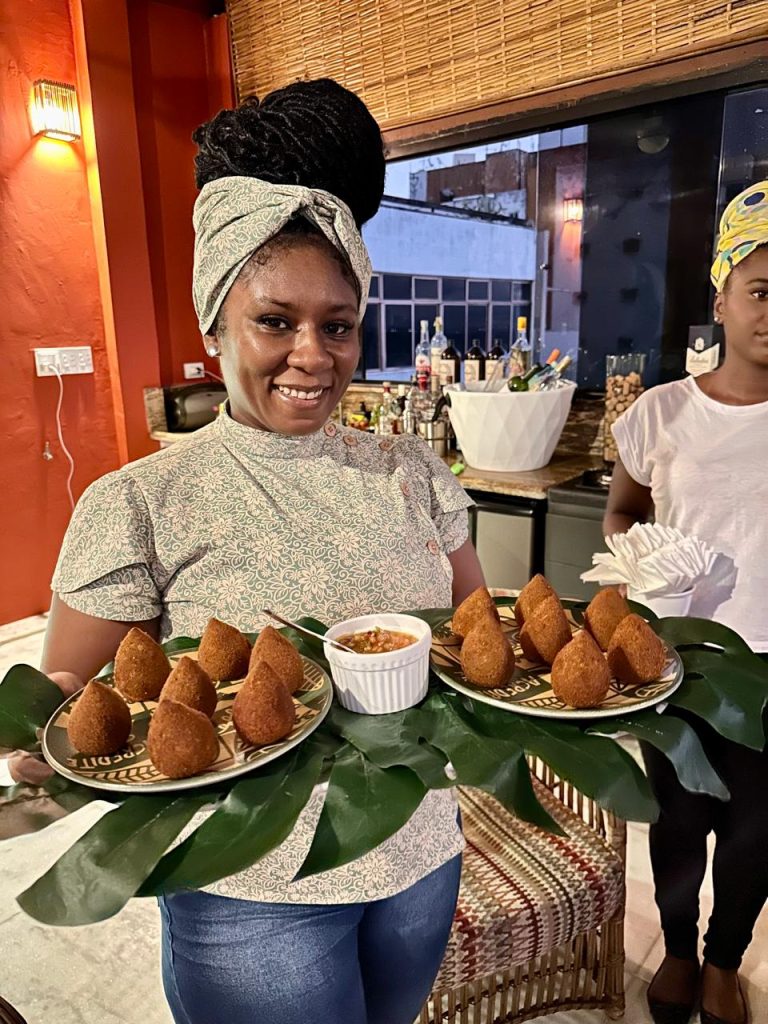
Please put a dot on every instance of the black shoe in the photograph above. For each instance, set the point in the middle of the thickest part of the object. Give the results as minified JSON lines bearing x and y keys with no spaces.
{"x":673,"y":1013}
{"x":663,"y":1012}
{"x":710,"y":1018}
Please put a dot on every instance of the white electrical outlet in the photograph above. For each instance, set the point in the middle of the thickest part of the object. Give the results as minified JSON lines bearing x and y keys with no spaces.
{"x":192,"y":371}
{"x":71,"y":359}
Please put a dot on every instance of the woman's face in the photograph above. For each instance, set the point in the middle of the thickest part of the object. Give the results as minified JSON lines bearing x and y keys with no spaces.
{"x":743,"y":308}
{"x":290,"y":341}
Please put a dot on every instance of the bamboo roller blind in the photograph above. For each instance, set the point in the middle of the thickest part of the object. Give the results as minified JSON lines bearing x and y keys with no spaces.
{"x":413,"y":59}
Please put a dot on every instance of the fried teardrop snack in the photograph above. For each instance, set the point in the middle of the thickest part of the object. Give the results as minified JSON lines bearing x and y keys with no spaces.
{"x":604,"y":612}
{"x":580,"y":673}
{"x":281,"y":656}
{"x":545,"y":631}
{"x":487,"y":658}
{"x":635,"y":653}
{"x":263,"y":710}
{"x":477,"y":606}
{"x":141,"y":666}
{"x":191,"y":685}
{"x":224,"y":652}
{"x":181,"y":741}
{"x":100,"y":722}
{"x":533,"y":593}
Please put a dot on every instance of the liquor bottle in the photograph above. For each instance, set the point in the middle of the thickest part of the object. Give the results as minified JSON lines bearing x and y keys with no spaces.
{"x":423,"y":355}
{"x":450,"y":362}
{"x":423,"y":403}
{"x":523,"y":382}
{"x":387,"y":413}
{"x":520,"y":353}
{"x":495,"y":356}
{"x":474,"y":363}
{"x":436,"y":346}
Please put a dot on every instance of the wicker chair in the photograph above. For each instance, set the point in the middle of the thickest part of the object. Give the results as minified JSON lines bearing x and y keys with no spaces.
{"x":540,"y":921}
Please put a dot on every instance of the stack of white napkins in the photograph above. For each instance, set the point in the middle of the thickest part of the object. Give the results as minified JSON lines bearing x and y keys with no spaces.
{"x":651,"y":559}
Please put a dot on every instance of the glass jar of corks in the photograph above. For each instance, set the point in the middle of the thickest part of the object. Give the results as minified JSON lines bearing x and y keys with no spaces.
{"x":623,"y":386}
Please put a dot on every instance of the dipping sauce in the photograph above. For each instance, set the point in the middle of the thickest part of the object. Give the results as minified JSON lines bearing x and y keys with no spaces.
{"x":376,"y":641}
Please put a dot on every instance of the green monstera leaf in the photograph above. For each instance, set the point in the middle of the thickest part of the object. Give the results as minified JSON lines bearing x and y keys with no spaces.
{"x":27,"y":701}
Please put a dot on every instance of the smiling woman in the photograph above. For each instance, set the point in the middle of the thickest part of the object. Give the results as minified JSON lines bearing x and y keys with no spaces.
{"x":288,"y":353}
{"x":274,"y":506}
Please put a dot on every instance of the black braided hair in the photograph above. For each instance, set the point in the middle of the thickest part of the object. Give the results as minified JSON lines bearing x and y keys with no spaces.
{"x":316,"y":134}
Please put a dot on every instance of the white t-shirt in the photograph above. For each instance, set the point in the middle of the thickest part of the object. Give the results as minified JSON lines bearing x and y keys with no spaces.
{"x":707,"y":467}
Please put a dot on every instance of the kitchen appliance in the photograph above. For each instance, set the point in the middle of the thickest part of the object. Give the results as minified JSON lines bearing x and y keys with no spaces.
{"x":508,"y":535}
{"x":574,"y":531}
{"x":191,"y":406}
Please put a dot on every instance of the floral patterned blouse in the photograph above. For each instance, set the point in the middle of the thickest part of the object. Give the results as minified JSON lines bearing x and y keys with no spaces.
{"x":230,"y":520}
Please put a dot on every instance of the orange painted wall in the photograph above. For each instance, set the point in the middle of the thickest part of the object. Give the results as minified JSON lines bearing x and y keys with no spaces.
{"x":178,"y":84}
{"x":49,"y":295}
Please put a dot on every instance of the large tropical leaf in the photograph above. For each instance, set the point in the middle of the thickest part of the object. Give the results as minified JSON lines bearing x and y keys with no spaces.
{"x":496,"y":765}
{"x":677,"y":740}
{"x":257,"y":815}
{"x":105,"y":867}
{"x":595,"y":765}
{"x":725,"y":683}
{"x":364,"y":806}
{"x":27,"y":701}
{"x":394,"y":739}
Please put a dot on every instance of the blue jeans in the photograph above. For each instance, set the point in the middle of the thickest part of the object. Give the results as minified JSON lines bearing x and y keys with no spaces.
{"x":228,"y":961}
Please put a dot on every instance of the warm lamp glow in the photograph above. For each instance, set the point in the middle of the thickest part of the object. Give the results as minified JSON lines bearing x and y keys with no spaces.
{"x":573,"y":209}
{"x":53,"y":111}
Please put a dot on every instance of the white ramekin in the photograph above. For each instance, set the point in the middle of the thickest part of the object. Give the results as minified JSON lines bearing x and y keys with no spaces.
{"x":664,"y":605}
{"x":376,"y":684}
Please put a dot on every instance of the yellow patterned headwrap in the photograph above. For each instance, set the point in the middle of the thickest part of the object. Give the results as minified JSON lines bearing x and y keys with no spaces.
{"x":236,"y":215}
{"x":743,"y":227}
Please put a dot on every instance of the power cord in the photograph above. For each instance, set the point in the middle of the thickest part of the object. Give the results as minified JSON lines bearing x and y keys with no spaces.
{"x":55,"y":369}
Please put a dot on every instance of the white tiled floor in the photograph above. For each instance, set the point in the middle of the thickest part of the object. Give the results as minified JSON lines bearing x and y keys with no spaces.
{"x":109,"y":974}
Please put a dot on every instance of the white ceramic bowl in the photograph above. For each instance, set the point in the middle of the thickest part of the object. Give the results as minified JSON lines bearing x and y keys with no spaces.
{"x":509,"y":432}
{"x":664,"y":605}
{"x":376,"y":684}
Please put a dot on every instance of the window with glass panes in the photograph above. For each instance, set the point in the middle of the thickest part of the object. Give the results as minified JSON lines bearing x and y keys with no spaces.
{"x":472,"y":309}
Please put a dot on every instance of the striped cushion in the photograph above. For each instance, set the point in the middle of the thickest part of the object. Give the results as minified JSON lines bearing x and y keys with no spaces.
{"x":523,"y":890}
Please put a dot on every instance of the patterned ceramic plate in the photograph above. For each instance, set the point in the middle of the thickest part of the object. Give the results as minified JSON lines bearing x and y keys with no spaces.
{"x":131,"y":770}
{"x":530,"y":690}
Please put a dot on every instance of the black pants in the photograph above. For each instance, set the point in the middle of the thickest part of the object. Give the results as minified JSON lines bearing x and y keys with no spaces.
{"x":679,"y":849}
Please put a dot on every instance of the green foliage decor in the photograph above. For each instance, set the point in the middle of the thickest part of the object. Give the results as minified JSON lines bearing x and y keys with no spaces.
{"x":378,"y":769}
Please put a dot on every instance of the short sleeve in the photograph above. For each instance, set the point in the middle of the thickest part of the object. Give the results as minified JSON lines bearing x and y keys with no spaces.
{"x":448,"y":501}
{"x":105,"y":563}
{"x":631,"y":431}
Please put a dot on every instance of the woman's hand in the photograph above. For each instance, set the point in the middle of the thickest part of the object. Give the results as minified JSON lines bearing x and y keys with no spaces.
{"x":31,"y":768}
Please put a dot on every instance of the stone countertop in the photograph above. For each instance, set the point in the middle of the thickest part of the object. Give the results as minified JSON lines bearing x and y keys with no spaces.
{"x":533,"y":484}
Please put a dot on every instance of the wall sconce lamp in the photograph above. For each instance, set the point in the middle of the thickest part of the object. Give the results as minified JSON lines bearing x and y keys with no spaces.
{"x":53,"y":111}
{"x":573,"y":209}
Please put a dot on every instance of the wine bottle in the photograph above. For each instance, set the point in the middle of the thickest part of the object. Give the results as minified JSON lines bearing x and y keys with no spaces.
{"x":474,"y":363}
{"x":495,"y":356}
{"x":450,"y":362}
{"x":523,"y":382}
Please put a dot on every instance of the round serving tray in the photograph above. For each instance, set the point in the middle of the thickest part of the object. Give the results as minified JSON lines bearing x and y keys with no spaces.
{"x":131,"y":771}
